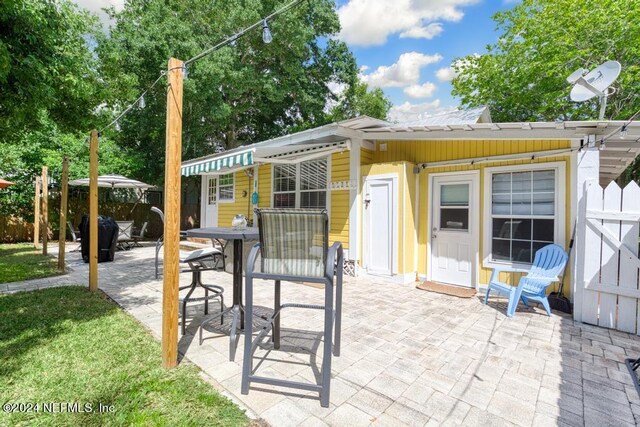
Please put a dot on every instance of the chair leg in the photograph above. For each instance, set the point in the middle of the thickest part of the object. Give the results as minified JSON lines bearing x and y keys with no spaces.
{"x":338,"y":321}
{"x":328,"y":333}
{"x":514,"y":298}
{"x":221,"y":309}
{"x":486,"y":296}
{"x":184,"y":310}
{"x":524,"y":300}
{"x":159,"y":244}
{"x":545,"y":304}
{"x":276,"y":319}
{"x":247,"y":365}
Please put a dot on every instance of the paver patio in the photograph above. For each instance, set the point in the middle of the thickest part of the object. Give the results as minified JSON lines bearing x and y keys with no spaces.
{"x":409,"y":357}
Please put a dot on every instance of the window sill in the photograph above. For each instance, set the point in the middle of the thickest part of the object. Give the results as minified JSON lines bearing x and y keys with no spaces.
{"x":507,"y":265}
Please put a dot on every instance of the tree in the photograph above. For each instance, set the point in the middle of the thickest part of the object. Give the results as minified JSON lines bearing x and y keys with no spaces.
{"x":49,"y":90}
{"x":358,"y":100}
{"x":46,"y":64}
{"x":237,"y":95}
{"x":522,"y":77}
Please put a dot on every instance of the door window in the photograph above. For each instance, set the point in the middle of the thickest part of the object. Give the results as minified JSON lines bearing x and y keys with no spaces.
{"x":454,"y":207}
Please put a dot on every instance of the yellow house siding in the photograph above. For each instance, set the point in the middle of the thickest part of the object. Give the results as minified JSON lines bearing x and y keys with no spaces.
{"x":339,"y":208}
{"x":434,"y":151}
{"x":264,"y":186}
{"x":240,"y":205}
{"x":366,"y":157}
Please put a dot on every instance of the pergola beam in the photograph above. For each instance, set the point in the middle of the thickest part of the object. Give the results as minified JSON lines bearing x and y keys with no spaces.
{"x":93,"y":211}
{"x":173,"y":159}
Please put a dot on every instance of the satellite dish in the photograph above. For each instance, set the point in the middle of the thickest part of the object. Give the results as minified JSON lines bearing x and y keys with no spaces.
{"x":573,"y":77}
{"x":595,"y":83}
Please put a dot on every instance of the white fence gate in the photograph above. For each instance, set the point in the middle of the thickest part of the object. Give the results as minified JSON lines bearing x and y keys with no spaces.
{"x":608,"y":257}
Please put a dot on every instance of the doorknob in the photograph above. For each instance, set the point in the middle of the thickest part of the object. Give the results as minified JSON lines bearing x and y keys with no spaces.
{"x":433,"y":234}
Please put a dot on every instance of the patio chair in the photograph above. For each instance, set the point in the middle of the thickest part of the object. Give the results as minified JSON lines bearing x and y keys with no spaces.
{"x":137,"y":236}
{"x":75,"y":236}
{"x":198,"y":261}
{"x":160,"y":240}
{"x":294,"y":247}
{"x":124,"y":235}
{"x":547,"y":266}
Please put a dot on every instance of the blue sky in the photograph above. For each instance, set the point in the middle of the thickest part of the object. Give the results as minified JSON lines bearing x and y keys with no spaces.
{"x":407,"y":46}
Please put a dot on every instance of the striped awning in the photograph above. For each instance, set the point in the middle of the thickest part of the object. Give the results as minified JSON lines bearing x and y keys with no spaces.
{"x":230,"y":161}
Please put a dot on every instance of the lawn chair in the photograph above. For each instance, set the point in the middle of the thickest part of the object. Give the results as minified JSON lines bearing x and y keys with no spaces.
{"x":160,"y":240}
{"x":124,"y":235}
{"x":294,"y":247}
{"x":137,"y":236}
{"x":75,"y":236}
{"x":547,"y":266}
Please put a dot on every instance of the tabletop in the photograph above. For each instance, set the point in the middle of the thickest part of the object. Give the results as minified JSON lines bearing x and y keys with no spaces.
{"x":227,"y":233}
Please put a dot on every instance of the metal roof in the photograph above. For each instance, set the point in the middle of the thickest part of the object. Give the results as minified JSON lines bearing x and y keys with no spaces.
{"x":617,"y":153}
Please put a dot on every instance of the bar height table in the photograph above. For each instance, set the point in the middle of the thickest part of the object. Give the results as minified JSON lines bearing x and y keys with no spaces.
{"x":237,"y":235}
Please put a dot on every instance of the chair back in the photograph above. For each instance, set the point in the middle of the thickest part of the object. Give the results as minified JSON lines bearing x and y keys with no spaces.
{"x":159,"y":212}
{"x":293,"y":242}
{"x":74,"y":236}
{"x":547,"y":266}
{"x":125,"y":228}
{"x":143,"y":229}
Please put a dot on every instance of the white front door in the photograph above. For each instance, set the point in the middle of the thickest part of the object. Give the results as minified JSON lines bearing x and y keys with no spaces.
{"x":454,"y":229}
{"x":210,"y":201}
{"x":379,"y":240}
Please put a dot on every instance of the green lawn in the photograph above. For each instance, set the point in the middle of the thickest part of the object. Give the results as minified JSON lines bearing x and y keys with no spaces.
{"x":20,"y":261}
{"x":68,"y":345}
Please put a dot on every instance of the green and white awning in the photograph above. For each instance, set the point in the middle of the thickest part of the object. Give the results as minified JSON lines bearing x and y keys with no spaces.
{"x":219,"y":164}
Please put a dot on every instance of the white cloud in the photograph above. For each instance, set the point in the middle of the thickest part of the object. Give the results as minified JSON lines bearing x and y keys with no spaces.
{"x":370,"y":22}
{"x":427,"y":32}
{"x":446,"y":74}
{"x":425,"y":90}
{"x":337,"y":88}
{"x":409,"y":112}
{"x":96,"y":7}
{"x":403,"y":73}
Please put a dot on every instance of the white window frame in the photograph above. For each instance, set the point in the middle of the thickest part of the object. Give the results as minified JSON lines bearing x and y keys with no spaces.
{"x":298,"y":192}
{"x":560,"y":199}
{"x":215,"y":189}
{"x":233,"y":188}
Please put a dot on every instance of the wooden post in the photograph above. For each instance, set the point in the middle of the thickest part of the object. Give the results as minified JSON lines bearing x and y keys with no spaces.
{"x":64,"y":194}
{"x":93,"y":211}
{"x":36,"y":215}
{"x":172,"y":216}
{"x":45,"y":210}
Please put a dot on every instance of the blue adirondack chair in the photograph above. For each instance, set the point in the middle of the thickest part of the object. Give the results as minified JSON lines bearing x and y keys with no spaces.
{"x":547,"y":266}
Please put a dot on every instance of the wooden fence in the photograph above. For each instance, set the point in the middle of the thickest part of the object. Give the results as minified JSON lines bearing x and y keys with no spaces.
{"x":15,"y":229}
{"x":609,"y":295}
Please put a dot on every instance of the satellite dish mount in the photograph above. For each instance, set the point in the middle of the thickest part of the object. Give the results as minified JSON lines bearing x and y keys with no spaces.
{"x":595,"y":83}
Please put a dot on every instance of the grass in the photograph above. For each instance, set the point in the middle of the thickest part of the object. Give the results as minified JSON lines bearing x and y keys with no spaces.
{"x":20,"y":261}
{"x":69,"y":345}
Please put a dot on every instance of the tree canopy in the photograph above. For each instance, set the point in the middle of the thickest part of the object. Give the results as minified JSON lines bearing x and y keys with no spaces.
{"x":240,"y":94}
{"x":522,"y":77}
{"x":61,"y":74}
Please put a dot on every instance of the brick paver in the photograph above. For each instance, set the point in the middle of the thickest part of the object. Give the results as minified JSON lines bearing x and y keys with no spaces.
{"x":409,"y":357}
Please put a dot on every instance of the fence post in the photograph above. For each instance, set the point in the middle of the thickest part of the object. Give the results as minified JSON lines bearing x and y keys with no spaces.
{"x":45,"y":210}
{"x":64,"y":193}
{"x":36,"y":215}
{"x":588,"y":170}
